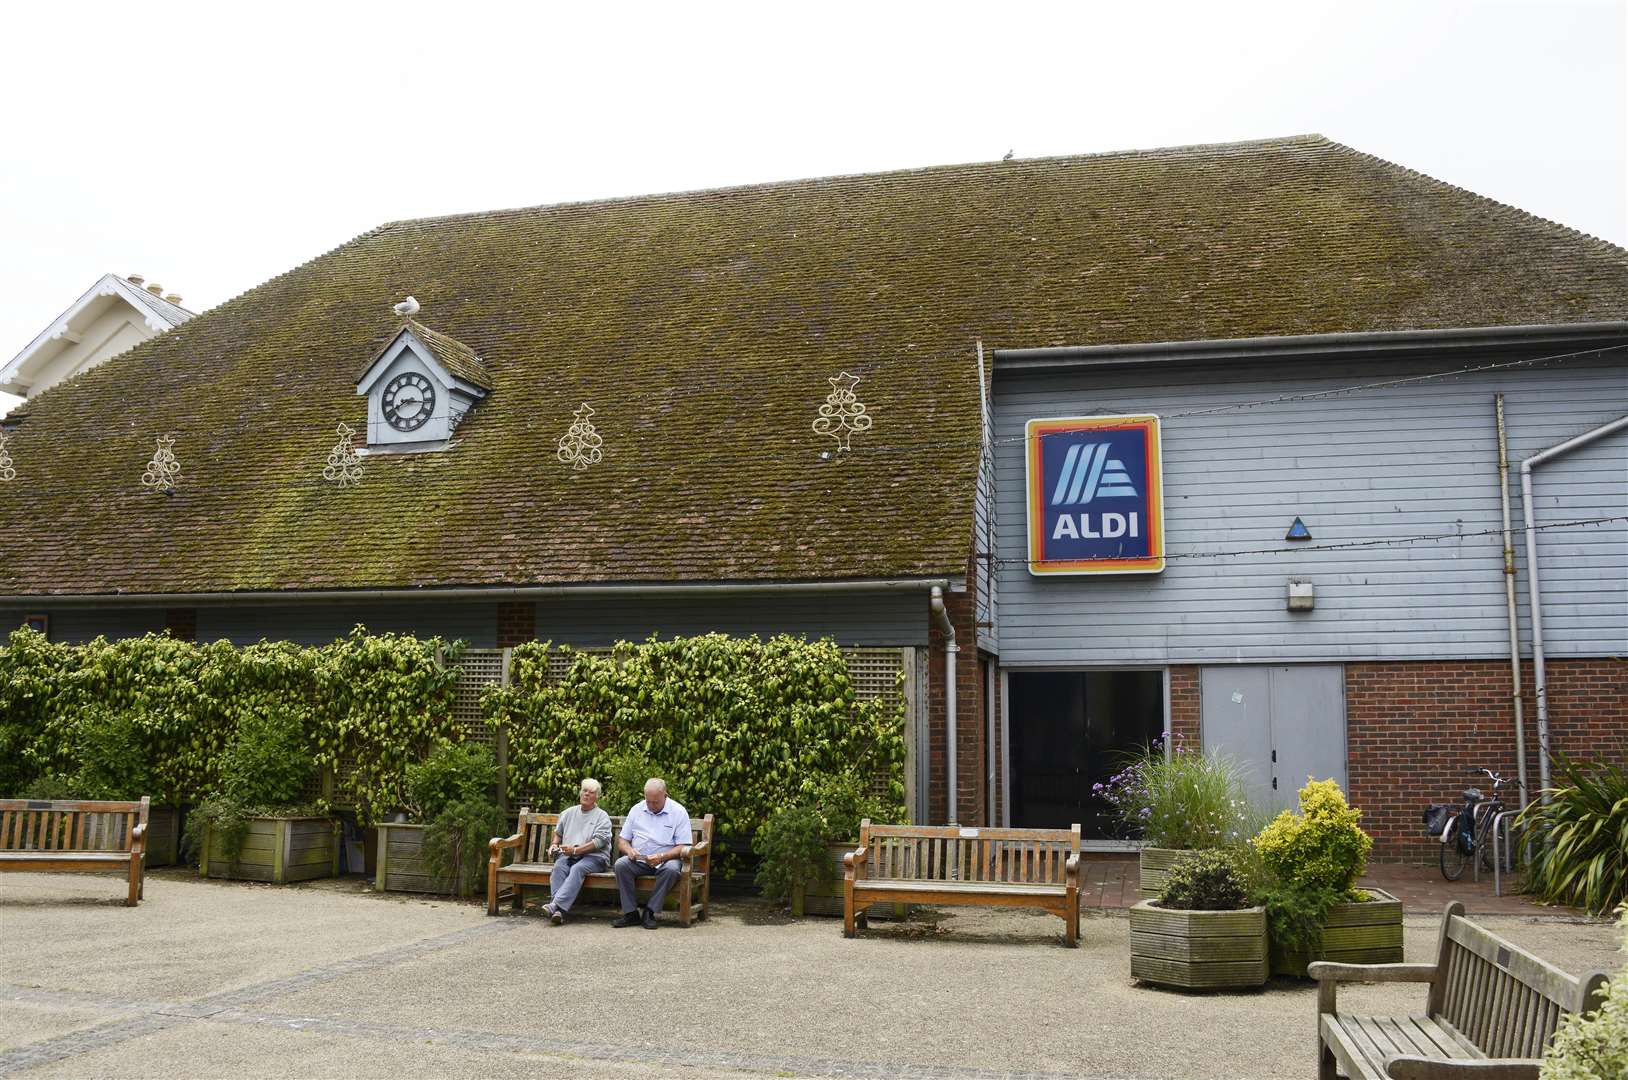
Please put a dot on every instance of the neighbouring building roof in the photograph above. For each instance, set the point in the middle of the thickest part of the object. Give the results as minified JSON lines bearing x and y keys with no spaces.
{"x":91,"y":325}
{"x":703,"y":328}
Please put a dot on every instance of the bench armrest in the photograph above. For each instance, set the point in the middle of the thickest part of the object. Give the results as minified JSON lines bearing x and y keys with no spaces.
{"x":1071,"y":869}
{"x":1329,"y":975}
{"x":138,"y":839}
{"x":853,"y":863}
{"x":1328,"y":971}
{"x":499,"y":843}
{"x":1418,"y":1068}
{"x":692,"y":852}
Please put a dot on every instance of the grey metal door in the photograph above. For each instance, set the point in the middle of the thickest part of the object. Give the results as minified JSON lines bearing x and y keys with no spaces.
{"x":1308,"y":726}
{"x":1284,"y":723}
{"x":1237,"y":721}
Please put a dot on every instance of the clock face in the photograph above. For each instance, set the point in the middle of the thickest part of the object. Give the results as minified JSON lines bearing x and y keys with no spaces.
{"x":408,"y":401}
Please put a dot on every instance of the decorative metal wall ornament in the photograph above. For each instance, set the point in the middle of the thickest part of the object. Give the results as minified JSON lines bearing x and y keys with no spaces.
{"x":163,"y":471}
{"x":579,"y":447}
{"x":344,"y":463}
{"x":843,"y":415}
{"x":7,"y":473}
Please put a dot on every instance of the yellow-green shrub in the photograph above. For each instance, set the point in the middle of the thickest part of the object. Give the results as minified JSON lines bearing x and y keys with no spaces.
{"x":1321,"y":847}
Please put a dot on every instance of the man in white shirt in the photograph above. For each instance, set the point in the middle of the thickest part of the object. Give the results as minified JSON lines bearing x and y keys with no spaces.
{"x":654,"y":840}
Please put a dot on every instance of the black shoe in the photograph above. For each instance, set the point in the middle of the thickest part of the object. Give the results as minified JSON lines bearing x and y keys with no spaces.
{"x":649,"y":919}
{"x":629,"y":918}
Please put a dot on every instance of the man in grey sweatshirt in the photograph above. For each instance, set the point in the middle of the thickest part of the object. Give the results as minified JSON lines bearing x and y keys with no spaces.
{"x":582,"y":843}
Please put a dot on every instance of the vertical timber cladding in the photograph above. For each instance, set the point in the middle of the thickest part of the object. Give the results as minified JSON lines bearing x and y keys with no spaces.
{"x":877,"y":673}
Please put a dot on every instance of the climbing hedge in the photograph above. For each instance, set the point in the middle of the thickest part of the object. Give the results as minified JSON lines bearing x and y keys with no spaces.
{"x":155,"y":716}
{"x":738,"y":727}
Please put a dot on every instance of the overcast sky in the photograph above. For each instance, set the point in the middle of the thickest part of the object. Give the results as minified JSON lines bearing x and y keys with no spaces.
{"x":211,"y":146}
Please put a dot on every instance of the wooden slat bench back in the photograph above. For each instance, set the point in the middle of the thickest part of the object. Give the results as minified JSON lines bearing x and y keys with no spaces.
{"x":952,"y":854}
{"x":1497,"y":995}
{"x":71,"y":836}
{"x":531,"y":866}
{"x":1488,"y":1001}
{"x":951,"y":864}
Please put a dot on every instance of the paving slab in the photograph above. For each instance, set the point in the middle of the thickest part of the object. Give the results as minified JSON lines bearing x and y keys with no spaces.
{"x":252,"y":981}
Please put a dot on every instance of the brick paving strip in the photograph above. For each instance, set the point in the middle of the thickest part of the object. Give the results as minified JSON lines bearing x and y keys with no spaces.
{"x":232,"y":1008}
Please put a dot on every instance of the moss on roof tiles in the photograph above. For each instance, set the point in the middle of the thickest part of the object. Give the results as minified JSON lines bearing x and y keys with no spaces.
{"x":702,"y":328}
{"x":459,"y":359}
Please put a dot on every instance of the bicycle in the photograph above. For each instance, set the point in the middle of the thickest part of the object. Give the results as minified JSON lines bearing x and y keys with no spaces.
{"x":1467,"y":834}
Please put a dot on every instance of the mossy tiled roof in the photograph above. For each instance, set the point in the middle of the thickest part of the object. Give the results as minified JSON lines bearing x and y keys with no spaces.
{"x":702,"y":328}
{"x":459,"y":359}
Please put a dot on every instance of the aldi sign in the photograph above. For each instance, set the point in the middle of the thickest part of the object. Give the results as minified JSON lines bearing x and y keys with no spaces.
{"x":1096,"y":504}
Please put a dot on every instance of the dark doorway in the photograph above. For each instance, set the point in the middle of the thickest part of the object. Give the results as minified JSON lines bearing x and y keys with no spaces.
{"x":1072,"y":729}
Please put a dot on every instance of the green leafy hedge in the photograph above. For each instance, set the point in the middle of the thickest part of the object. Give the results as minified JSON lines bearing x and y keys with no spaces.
{"x":156,"y":716}
{"x":738,"y":727}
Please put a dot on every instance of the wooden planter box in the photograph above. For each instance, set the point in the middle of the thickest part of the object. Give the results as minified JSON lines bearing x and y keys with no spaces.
{"x":1198,"y":950}
{"x":278,"y":850}
{"x":1366,"y":933}
{"x":825,"y":897}
{"x":1155,"y":868}
{"x":164,"y":836}
{"x":400,"y":867}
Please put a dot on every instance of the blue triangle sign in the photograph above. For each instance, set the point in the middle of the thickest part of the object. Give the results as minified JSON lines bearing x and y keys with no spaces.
{"x":1298,"y":531}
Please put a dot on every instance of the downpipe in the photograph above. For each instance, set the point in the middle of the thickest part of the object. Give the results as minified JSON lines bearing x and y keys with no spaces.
{"x":941,"y":616}
{"x":1509,"y":602}
{"x":1540,"y":678}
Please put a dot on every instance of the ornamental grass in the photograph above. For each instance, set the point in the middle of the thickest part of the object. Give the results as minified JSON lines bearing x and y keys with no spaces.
{"x":1579,"y":837}
{"x":1185,"y":799}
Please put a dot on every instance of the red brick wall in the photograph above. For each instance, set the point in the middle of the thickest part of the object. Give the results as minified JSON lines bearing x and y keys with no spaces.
{"x":1414,"y":730}
{"x":969,"y":756}
{"x":1185,"y":704}
{"x":516,"y":624}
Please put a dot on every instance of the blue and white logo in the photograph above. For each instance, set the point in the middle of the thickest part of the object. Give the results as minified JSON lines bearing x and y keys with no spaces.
{"x":1088,"y":473}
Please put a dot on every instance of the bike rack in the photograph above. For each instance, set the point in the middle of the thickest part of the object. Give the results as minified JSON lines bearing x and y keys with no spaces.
{"x":1500,"y":827}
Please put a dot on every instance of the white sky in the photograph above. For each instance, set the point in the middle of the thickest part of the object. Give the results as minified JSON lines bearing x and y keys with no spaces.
{"x":209,"y":147}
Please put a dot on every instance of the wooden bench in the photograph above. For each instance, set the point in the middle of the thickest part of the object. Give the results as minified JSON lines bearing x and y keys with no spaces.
{"x":76,"y":837}
{"x":948,"y":864}
{"x":1491,"y":1010}
{"x":532,"y":866}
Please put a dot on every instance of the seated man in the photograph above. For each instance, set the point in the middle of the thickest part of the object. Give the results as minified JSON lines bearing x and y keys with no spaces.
{"x":582,"y":846}
{"x":654,"y":840}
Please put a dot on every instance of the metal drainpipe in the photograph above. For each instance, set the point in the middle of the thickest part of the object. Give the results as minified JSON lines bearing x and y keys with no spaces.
{"x":950,"y":649}
{"x":1540,"y":679}
{"x":1509,"y":601}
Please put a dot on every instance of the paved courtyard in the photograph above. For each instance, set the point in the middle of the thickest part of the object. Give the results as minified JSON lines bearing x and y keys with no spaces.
{"x":237,"y":980}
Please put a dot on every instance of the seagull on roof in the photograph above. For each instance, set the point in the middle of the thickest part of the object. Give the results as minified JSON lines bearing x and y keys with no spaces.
{"x":1008,"y":156}
{"x":407,"y":308}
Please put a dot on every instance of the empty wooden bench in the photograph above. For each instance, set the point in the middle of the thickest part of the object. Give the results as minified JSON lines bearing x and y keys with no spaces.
{"x":531,"y":866}
{"x":948,"y":864}
{"x":1490,"y":1012}
{"x":76,"y":837}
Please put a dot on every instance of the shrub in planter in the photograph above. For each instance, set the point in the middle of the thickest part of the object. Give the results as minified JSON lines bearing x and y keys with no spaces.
{"x":1580,"y":849}
{"x":453,"y":796}
{"x":1202,"y":932}
{"x":1311,"y":861}
{"x":1184,"y":801}
{"x":253,"y":826}
{"x":802,"y":845}
{"x":1593,"y":1045}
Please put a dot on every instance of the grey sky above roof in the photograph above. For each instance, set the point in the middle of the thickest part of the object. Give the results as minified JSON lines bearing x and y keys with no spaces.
{"x":250,"y":172}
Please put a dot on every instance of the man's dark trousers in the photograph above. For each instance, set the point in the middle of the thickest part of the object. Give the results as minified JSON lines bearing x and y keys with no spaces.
{"x":628,"y":871}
